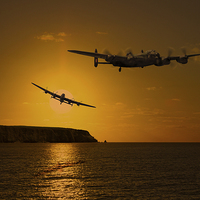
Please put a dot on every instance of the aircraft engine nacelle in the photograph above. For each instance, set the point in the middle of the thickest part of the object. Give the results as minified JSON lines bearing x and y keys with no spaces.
{"x":95,"y":59}
{"x":162,"y":61}
{"x":182,"y":60}
{"x":165,"y":61}
{"x":53,"y":95}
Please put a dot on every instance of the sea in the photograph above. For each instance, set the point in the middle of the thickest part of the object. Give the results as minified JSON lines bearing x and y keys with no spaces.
{"x":100,"y":171}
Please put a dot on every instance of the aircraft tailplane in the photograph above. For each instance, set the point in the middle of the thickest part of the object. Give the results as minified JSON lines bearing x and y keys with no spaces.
{"x":96,"y":59}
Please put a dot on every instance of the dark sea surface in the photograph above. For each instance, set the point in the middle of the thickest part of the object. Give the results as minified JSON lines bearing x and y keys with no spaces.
{"x":109,"y":171}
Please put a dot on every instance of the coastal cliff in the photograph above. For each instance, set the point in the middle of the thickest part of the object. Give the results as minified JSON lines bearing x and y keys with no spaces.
{"x":32,"y":134}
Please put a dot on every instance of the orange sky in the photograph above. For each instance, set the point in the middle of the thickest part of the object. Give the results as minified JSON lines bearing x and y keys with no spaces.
{"x":153,"y":104}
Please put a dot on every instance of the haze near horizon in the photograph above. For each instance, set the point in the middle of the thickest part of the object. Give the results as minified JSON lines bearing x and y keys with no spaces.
{"x":150,"y":104}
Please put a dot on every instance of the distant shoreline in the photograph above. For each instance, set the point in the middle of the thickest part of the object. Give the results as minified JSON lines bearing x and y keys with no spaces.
{"x":37,"y":134}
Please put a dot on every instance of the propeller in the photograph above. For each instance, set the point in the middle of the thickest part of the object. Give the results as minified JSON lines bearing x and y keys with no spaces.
{"x":106,"y":51}
{"x":183,"y":49}
{"x":183,"y":59}
{"x":54,"y":94}
{"x":170,"y":51}
{"x":120,"y":53}
{"x":46,"y":90}
{"x":174,"y":65}
{"x":128,"y":50}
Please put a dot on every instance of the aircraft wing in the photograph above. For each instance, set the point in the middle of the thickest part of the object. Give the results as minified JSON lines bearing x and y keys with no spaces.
{"x":66,"y":100}
{"x":77,"y":103}
{"x":177,"y":57}
{"x":85,"y":53}
{"x":47,"y":91}
{"x":191,"y":55}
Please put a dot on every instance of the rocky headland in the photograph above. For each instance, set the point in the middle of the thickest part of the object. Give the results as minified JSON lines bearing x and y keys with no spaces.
{"x":33,"y":134}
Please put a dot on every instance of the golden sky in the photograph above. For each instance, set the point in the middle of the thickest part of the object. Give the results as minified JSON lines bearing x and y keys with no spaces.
{"x":153,"y":104}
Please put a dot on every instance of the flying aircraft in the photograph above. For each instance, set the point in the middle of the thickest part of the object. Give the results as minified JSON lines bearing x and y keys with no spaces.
{"x":150,"y":57}
{"x":62,"y":98}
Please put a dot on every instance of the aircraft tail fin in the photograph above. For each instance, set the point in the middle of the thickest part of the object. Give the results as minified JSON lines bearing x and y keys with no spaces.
{"x":96,"y":59}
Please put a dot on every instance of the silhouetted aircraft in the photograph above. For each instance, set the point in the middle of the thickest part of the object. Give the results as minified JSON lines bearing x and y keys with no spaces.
{"x":62,"y":98}
{"x":150,"y":57}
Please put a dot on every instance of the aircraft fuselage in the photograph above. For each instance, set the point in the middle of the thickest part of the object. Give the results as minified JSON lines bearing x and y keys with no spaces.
{"x":62,"y":98}
{"x":136,"y":61}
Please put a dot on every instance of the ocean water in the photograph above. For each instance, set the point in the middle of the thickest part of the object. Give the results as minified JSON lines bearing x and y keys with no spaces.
{"x":108,"y":171}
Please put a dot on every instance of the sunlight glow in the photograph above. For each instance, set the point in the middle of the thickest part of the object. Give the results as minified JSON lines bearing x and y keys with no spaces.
{"x":61,"y":108}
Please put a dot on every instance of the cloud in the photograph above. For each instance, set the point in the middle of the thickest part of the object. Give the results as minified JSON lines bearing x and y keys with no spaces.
{"x":175,"y":100}
{"x":147,"y":111}
{"x":172,"y":102}
{"x":127,"y":115}
{"x":176,"y":126}
{"x":142,"y":111}
{"x":196,"y":50}
{"x":196,"y":113}
{"x":7,"y":121}
{"x":46,"y":37}
{"x":52,"y":37}
{"x":59,"y":40}
{"x":174,"y":118}
{"x":126,"y":125}
{"x":62,"y":34}
{"x":119,"y":104}
{"x":153,"y":88}
{"x":101,"y":33}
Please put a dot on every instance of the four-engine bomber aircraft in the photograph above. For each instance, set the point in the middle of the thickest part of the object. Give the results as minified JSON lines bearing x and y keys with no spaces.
{"x":62,"y":98}
{"x":150,"y":57}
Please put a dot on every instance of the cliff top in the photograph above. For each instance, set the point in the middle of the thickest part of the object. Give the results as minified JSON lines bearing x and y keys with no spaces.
{"x":43,"y":134}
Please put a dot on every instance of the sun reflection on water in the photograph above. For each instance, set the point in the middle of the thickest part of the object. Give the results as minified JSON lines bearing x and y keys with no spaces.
{"x":61,"y":152}
{"x":65,"y":180}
